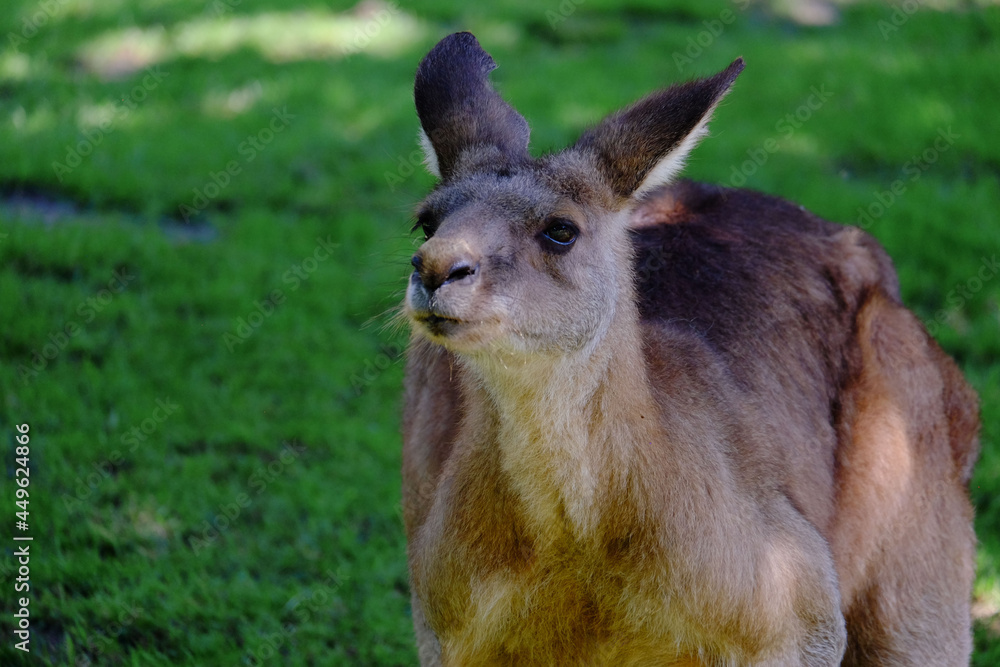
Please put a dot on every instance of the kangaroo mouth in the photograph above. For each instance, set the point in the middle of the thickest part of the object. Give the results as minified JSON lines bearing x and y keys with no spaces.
{"x":437,"y":323}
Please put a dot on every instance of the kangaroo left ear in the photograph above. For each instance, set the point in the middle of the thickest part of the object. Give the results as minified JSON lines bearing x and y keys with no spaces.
{"x":644,"y":146}
{"x":459,"y":110}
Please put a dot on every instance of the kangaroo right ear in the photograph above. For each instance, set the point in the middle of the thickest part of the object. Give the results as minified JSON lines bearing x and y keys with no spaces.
{"x":459,"y":109}
{"x":644,"y":146}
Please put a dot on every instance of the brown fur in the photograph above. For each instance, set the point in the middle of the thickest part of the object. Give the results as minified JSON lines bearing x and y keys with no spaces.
{"x":708,"y":433}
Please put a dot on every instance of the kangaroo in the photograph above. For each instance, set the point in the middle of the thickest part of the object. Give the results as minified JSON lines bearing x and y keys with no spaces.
{"x":655,"y":422}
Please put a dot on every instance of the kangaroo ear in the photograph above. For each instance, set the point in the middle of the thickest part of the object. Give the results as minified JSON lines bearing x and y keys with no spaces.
{"x":644,"y":146}
{"x":460,"y":110}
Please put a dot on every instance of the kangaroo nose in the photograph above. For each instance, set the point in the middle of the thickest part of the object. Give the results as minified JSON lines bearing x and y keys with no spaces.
{"x":460,"y":270}
{"x":433,"y":275}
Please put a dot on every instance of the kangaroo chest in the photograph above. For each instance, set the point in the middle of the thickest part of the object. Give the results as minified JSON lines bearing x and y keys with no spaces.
{"x":501,"y":591}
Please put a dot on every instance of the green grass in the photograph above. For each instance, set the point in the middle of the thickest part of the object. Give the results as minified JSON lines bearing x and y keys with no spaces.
{"x":251,"y":515}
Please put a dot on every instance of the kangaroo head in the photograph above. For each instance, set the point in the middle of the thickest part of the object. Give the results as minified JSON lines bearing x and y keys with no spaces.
{"x":532,"y":256}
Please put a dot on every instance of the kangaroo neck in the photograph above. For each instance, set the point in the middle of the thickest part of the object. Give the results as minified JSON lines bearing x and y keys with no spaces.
{"x":569,"y":425}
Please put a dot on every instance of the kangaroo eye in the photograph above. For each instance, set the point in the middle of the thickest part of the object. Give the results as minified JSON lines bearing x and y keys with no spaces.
{"x":560,"y":233}
{"x":427,"y":223}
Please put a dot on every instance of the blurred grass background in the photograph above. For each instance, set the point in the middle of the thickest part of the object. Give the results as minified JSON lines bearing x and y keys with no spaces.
{"x":204,"y":209}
